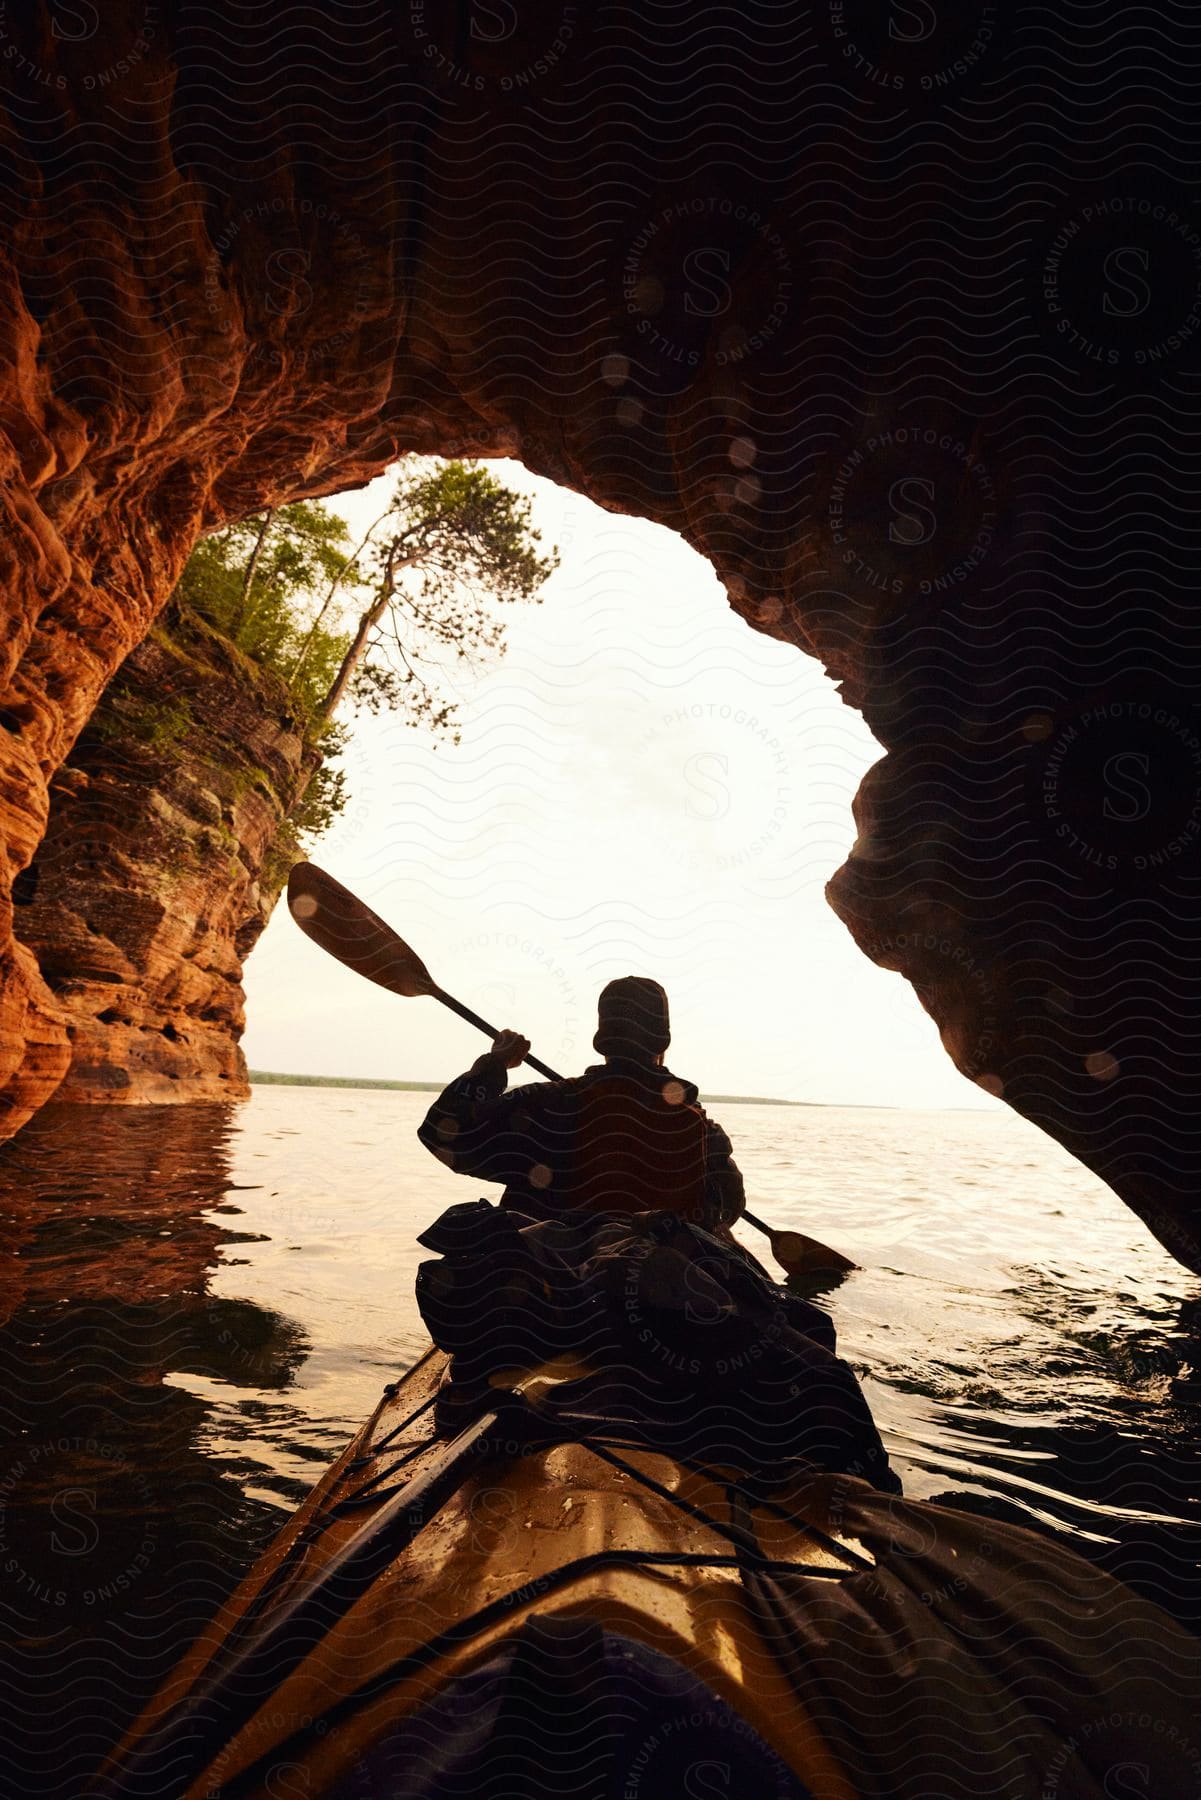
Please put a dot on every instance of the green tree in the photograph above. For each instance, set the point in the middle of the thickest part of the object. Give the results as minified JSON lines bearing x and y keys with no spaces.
{"x":358,"y":623}
{"x":253,"y":582}
{"x":452,"y":540}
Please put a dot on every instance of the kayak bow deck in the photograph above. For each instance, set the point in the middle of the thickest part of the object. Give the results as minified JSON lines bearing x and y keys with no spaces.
{"x":521,"y":1597}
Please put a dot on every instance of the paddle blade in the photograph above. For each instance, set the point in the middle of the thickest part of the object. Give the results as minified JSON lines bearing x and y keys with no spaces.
{"x":802,"y":1255}
{"x":338,"y":921}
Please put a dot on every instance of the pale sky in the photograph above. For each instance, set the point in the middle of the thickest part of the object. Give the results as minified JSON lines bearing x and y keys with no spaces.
{"x":644,"y":786}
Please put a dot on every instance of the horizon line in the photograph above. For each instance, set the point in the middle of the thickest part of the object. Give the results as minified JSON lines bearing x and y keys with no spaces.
{"x":281,"y":1078}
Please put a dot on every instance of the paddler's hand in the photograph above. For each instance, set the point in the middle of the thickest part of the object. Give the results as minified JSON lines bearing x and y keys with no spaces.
{"x":510,"y":1048}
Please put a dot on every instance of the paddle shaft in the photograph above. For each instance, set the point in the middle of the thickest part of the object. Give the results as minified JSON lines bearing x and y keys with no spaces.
{"x":472,"y":1018}
{"x":757,"y":1223}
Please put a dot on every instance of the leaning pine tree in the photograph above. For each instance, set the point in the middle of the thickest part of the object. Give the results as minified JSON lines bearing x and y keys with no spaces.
{"x":356,"y":624}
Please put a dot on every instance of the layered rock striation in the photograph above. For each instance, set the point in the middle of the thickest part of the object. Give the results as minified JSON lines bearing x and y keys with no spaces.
{"x":899,"y":327}
{"x":165,"y":851}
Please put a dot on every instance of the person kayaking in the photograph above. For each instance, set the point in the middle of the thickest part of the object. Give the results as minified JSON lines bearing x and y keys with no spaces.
{"x":626,"y":1136}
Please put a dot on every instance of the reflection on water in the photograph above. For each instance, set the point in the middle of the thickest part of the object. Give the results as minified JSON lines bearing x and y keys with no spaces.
{"x":198,"y":1306}
{"x":118,"y":1527}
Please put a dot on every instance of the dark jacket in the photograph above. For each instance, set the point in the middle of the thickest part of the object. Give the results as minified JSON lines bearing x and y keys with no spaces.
{"x":622,"y":1137}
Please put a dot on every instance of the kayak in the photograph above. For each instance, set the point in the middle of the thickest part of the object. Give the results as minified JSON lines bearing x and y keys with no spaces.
{"x":507,"y":1595}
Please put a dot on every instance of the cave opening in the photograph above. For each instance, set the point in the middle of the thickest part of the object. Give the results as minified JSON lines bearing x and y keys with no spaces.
{"x":643,"y":783}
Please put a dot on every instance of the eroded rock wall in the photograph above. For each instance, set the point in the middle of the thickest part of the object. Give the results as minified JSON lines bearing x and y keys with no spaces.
{"x":892,"y":312}
{"x":165,"y":851}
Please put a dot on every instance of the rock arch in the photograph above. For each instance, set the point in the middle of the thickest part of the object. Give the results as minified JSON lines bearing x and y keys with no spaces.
{"x":894,"y":317}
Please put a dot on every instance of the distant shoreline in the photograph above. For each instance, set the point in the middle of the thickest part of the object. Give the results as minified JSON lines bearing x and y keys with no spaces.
{"x":270,"y":1078}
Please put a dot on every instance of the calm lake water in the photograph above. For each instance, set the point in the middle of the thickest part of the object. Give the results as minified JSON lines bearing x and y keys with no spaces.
{"x":200,"y":1304}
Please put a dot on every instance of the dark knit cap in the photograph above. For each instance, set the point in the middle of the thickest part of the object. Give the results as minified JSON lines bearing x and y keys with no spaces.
{"x":632,"y":1018}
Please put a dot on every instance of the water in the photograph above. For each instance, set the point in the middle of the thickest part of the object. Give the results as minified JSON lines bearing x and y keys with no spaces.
{"x":200,"y":1304}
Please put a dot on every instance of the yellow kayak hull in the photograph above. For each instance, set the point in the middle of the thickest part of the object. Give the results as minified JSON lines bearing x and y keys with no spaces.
{"x":884,"y":1648}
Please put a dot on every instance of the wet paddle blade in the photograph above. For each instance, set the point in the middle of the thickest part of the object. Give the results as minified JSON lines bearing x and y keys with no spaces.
{"x":341,"y":924}
{"x":799,"y":1254}
{"x":802,"y":1255}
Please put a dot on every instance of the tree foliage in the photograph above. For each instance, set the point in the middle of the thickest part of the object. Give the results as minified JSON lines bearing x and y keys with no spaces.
{"x":368,"y":624}
{"x":300,"y":554}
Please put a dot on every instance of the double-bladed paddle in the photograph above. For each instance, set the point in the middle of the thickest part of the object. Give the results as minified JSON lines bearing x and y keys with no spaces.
{"x":343,"y":926}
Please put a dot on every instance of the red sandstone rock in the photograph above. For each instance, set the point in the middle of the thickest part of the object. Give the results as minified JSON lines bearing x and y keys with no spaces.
{"x":164,"y":855}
